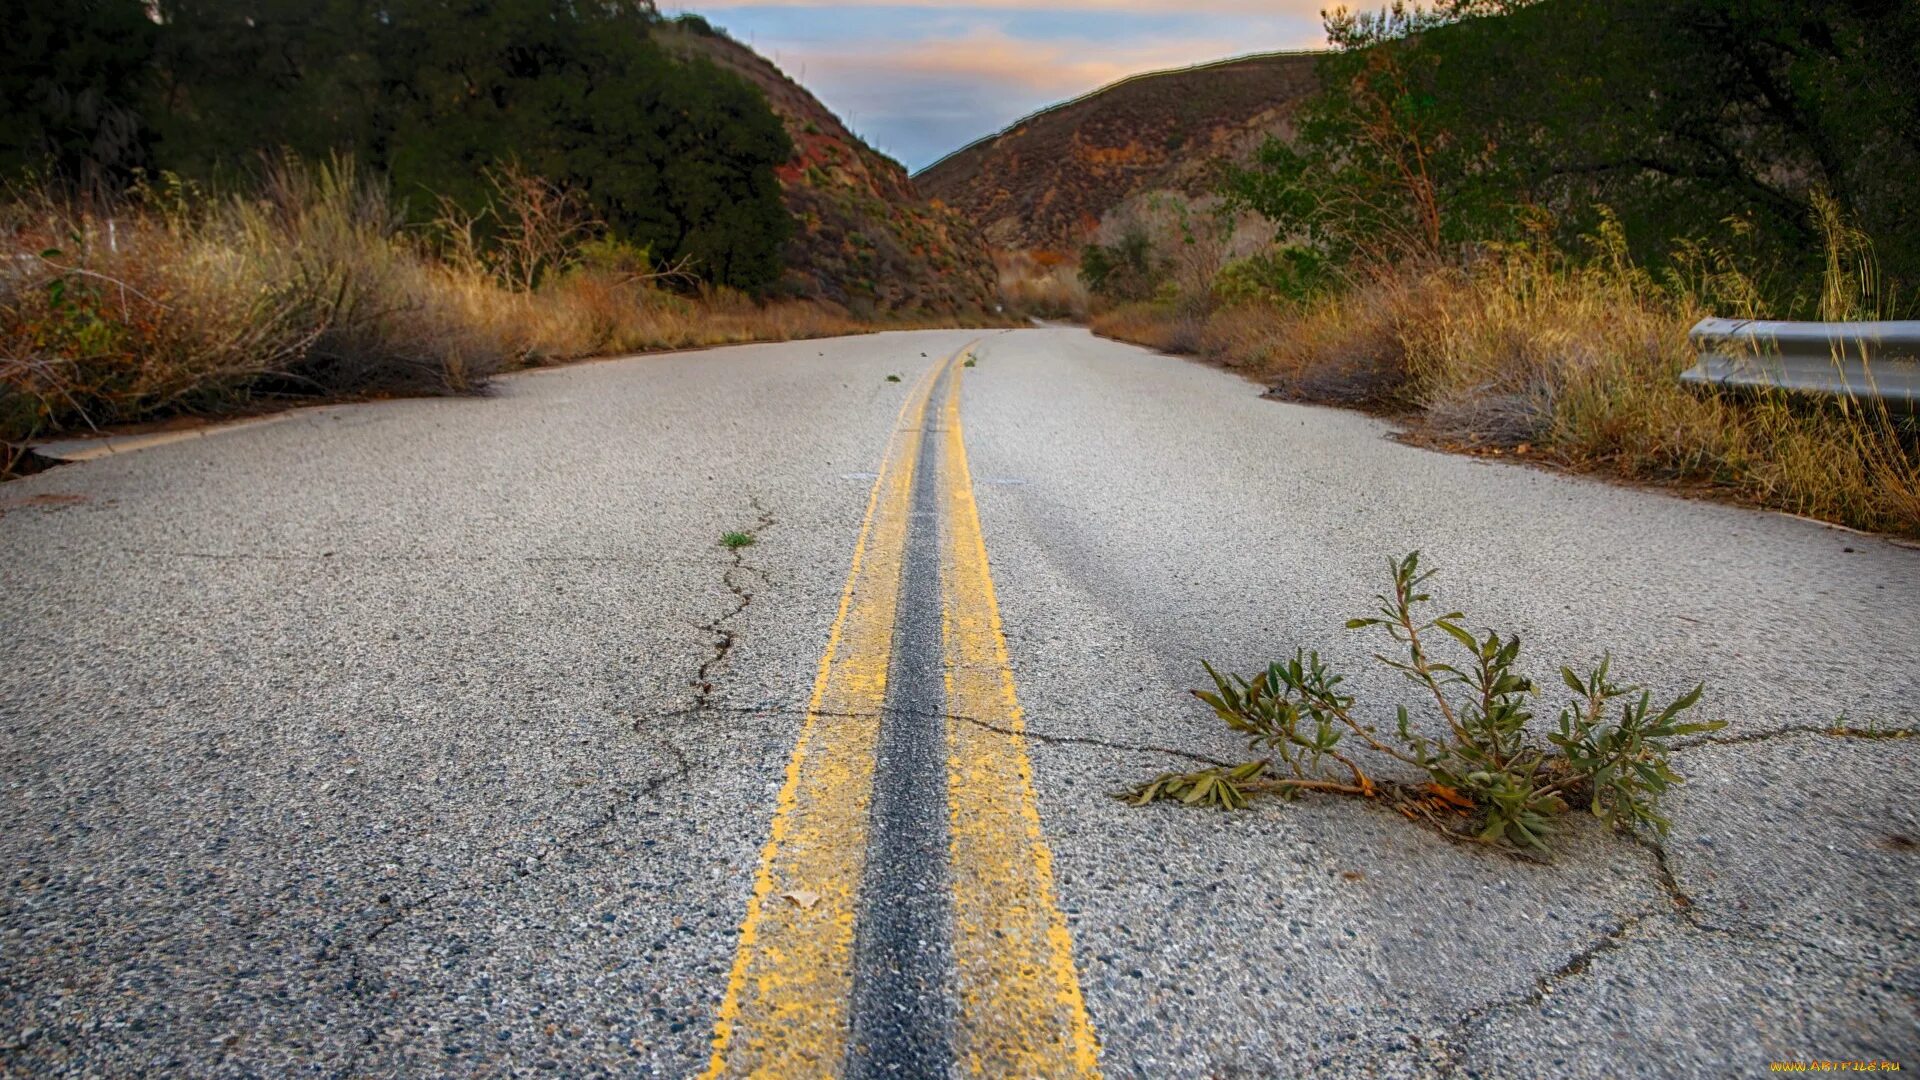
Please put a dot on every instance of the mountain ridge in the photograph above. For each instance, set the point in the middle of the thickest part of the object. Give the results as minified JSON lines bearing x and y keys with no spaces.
{"x":865,"y":238}
{"x":1044,"y":181}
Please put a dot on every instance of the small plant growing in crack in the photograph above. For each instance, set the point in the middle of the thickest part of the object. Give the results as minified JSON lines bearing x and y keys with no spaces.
{"x":969,"y":362}
{"x":734,"y":541}
{"x":1844,"y":727}
{"x":893,"y":378}
{"x":1489,"y":779}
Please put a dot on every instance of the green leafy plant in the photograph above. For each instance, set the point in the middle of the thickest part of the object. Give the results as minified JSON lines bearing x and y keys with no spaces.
{"x":733,"y":541}
{"x":1124,"y":270}
{"x":1488,"y":776}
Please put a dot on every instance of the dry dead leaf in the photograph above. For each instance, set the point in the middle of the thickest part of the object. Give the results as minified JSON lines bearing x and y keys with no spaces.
{"x":804,"y":899}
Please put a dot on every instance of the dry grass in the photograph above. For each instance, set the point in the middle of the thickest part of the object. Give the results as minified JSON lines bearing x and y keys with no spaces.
{"x":174,"y":302}
{"x":1042,"y":284}
{"x":592,"y":314}
{"x":1573,"y":364}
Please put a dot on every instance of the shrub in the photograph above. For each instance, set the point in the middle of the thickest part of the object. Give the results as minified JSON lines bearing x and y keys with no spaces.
{"x":112,"y":318}
{"x":1280,"y":275}
{"x":1041,"y":284}
{"x":1609,"y":750}
{"x":385,"y":317}
{"x":1568,"y":360}
{"x":1123,"y":270}
{"x":172,"y":301}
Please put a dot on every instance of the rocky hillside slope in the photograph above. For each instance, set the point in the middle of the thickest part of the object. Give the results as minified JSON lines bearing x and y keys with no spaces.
{"x":864,"y":238}
{"x":1044,"y":183}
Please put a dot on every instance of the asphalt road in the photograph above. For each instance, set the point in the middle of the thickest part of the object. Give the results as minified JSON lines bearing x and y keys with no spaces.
{"x":443,"y":737}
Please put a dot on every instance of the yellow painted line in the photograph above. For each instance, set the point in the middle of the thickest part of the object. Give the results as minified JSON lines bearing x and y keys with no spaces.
{"x":785,"y":1011}
{"x":1021,"y":1013}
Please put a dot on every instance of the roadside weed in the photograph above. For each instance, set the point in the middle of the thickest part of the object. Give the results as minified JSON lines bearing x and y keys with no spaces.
{"x":733,"y":541}
{"x":893,"y":378}
{"x":1488,"y":777}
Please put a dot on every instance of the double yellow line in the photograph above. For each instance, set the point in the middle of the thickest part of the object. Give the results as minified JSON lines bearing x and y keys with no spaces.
{"x":1018,"y":1005}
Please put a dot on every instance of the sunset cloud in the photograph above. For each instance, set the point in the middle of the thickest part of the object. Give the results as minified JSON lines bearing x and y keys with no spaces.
{"x":920,"y":78}
{"x":1064,"y":68}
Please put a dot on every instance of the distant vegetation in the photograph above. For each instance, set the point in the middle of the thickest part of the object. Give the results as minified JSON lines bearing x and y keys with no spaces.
{"x":1501,"y":217}
{"x":1698,"y":125}
{"x":212,"y":205}
{"x":672,"y":155}
{"x":1039,"y":185}
{"x":309,"y":282}
{"x":864,"y":237}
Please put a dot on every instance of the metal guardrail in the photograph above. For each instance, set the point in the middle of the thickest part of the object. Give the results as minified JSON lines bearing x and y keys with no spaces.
{"x":1863,"y":360}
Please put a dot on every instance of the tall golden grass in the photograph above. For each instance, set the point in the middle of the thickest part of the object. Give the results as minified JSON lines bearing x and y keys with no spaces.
{"x":172,"y":301}
{"x":1572,"y":362}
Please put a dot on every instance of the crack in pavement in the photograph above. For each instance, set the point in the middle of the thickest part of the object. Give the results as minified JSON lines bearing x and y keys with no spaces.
{"x":724,"y":635}
{"x":1083,"y":740}
{"x":1449,"y":1043}
{"x":1680,"y":910}
{"x":525,"y":866}
{"x":359,"y":982}
{"x":505,"y":870}
{"x":793,"y":712}
{"x":1830,"y":731}
{"x":682,"y":765}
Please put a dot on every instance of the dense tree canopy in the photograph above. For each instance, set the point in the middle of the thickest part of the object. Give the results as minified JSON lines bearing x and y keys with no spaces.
{"x":1723,"y":121}
{"x":72,"y":80}
{"x":674,"y":155}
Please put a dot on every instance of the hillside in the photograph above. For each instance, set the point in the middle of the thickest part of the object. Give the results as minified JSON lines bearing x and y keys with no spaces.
{"x":1045,"y":182}
{"x":864,"y":238}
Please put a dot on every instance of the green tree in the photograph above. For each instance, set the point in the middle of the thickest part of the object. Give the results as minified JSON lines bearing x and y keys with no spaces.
{"x":674,"y":156}
{"x":238,"y":78}
{"x":1713,"y":119}
{"x":72,"y":77}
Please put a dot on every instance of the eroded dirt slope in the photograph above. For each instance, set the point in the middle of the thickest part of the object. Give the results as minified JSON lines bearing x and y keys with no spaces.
{"x":864,"y":237}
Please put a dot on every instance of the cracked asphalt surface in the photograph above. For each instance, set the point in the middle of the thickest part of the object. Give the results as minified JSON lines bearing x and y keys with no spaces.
{"x":441,"y":737}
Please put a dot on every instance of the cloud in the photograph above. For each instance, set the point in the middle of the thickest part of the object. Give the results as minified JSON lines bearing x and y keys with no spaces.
{"x":992,"y":58}
{"x":920,"y":78}
{"x":921,"y":100}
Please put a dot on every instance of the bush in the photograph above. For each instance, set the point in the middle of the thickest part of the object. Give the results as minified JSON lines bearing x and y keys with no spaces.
{"x":1284,"y":274}
{"x":174,"y":302}
{"x":676,"y":155}
{"x":1569,"y":361}
{"x":1487,"y":773}
{"x":1437,"y":131}
{"x":1040,"y":284}
{"x":171,"y":301}
{"x":1123,"y":270}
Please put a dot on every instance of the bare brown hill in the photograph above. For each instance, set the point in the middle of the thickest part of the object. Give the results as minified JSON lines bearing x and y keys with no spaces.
{"x":1045,"y":182}
{"x":864,"y":238}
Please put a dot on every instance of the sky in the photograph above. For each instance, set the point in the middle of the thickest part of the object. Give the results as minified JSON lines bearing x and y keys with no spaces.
{"x":920,"y":78}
